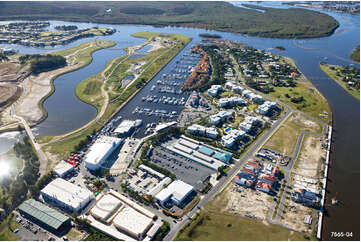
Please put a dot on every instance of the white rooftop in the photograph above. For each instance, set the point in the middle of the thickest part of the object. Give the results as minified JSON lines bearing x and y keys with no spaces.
{"x":67,"y":193}
{"x":106,"y":206}
{"x":177,"y":189}
{"x":125,"y":126}
{"x":131,"y":220}
{"x":62,"y":167}
{"x":100,"y":148}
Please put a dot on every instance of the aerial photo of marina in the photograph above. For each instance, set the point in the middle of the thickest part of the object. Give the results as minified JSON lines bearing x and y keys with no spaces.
{"x":180,"y":120}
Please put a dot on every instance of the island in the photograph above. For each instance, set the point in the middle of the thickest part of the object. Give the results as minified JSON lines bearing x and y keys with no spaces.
{"x":35,"y":34}
{"x":280,"y":48}
{"x":346,"y":76}
{"x":221,"y":16}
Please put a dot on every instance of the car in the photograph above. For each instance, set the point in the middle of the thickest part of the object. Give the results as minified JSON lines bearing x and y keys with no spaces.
{"x":16,"y":230}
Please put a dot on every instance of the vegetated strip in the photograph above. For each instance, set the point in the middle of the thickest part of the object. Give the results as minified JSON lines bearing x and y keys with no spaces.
{"x":333,"y":75}
{"x":74,"y":141}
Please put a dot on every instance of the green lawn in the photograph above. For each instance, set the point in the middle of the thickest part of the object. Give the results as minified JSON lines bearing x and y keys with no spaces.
{"x":332,"y":73}
{"x":211,"y":226}
{"x":355,"y":55}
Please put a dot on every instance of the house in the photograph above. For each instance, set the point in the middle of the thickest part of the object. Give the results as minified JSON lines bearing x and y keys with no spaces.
{"x":232,"y":137}
{"x":214,"y":90}
{"x":306,"y":198}
{"x":201,"y":130}
{"x":264,"y":187}
{"x":231,"y":101}
{"x":250,"y":123}
{"x":266,"y":107}
{"x":219,"y":117}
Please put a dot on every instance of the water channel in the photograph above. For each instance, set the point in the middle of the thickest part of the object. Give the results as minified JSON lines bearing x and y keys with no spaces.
{"x":66,"y":112}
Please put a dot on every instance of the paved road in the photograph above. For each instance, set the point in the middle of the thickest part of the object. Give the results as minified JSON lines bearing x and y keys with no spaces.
{"x":233,"y":171}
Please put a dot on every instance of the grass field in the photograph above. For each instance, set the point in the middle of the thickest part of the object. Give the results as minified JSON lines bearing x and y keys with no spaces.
{"x":314,"y":103}
{"x":285,"y":138}
{"x":332,"y":73}
{"x":223,"y":227}
{"x":5,"y":229}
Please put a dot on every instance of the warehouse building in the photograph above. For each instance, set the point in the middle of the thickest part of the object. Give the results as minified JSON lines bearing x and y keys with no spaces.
{"x":199,"y":152}
{"x":44,"y":216}
{"x":66,"y":195}
{"x":100,"y":151}
{"x":125,"y":128}
{"x":106,"y":208}
{"x":175,"y":194}
{"x":132,"y":222}
{"x":63,"y":169}
{"x":119,"y":217}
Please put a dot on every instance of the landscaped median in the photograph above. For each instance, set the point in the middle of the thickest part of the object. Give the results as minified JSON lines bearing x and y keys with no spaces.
{"x":89,"y":89}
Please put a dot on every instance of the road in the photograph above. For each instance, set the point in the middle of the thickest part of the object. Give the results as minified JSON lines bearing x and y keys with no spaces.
{"x":223,"y":182}
{"x":42,"y":157}
{"x":248,"y":155}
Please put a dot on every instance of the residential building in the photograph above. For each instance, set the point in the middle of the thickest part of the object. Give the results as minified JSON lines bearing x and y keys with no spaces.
{"x":219,"y":117}
{"x":214,"y":90}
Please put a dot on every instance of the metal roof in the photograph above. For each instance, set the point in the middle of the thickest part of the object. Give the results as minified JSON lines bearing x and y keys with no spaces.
{"x":43,"y":213}
{"x":206,"y":150}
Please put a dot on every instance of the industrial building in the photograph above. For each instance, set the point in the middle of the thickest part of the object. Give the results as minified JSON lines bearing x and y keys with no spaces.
{"x":175,"y":194}
{"x":44,"y":216}
{"x":63,"y":168}
{"x":132,"y":222}
{"x":66,"y":195}
{"x":201,"y":153}
{"x":121,"y":218}
{"x":209,"y":132}
{"x":106,"y":207}
{"x":125,"y":128}
{"x":100,"y":151}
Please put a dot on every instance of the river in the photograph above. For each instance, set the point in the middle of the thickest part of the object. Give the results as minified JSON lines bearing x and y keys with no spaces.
{"x":67,"y":113}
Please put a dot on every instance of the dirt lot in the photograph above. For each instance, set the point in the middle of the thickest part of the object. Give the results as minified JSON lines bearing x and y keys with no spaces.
{"x":285,"y":138}
{"x":8,"y":92}
{"x":294,"y":216}
{"x":311,"y":156}
{"x":236,"y":199}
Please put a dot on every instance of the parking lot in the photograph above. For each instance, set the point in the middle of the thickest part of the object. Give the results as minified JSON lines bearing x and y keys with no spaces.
{"x":28,"y":231}
{"x":184,"y":169}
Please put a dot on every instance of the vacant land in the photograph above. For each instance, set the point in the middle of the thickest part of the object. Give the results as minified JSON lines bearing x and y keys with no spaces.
{"x":311,"y":156}
{"x":6,"y":228}
{"x":222,"y":227}
{"x":331,"y":71}
{"x":285,"y":138}
{"x":223,"y":16}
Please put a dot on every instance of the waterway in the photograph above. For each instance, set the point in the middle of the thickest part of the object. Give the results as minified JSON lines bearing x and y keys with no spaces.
{"x":67,"y":113}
